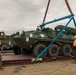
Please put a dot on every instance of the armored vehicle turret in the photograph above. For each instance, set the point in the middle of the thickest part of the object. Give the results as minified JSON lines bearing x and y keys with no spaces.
{"x":33,"y":42}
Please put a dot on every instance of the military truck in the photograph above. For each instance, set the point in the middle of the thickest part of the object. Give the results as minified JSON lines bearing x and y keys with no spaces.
{"x":6,"y":41}
{"x":35,"y":41}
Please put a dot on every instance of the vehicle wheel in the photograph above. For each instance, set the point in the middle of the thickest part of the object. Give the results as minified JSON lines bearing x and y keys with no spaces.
{"x":17,"y":50}
{"x":66,"y":50}
{"x":53,"y":51}
{"x":38,"y":49}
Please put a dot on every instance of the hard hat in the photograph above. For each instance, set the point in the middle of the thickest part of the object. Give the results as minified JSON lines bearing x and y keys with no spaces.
{"x":74,"y":37}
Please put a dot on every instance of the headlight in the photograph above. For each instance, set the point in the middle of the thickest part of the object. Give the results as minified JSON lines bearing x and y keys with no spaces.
{"x":31,"y":35}
{"x":27,"y":39}
{"x":42,"y":35}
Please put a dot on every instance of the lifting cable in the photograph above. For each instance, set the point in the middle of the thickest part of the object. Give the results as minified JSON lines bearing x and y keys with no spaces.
{"x":68,"y":6}
{"x":46,"y":11}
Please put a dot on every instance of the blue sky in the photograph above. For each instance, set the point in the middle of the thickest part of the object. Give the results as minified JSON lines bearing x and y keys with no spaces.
{"x":18,"y":15}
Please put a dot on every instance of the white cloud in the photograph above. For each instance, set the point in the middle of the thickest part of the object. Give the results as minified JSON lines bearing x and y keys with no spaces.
{"x":15,"y":14}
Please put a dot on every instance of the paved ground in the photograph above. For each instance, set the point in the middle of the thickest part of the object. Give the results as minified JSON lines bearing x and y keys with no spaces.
{"x":66,"y":67}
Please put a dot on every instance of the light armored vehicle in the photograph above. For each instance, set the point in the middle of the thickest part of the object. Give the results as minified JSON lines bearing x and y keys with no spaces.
{"x":35,"y":41}
{"x":46,"y":41}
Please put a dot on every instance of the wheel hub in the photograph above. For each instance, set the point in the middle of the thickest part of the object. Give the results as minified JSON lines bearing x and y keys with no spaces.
{"x":54,"y":50}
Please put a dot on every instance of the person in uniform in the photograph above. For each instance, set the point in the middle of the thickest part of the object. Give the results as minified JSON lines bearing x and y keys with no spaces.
{"x":74,"y":47}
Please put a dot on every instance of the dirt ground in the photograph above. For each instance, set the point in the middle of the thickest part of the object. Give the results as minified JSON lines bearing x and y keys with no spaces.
{"x":66,"y":67}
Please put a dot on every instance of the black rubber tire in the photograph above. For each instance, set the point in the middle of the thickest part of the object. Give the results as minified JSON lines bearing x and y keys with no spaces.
{"x":38,"y":49}
{"x":53,"y":51}
{"x":66,"y":50}
{"x":17,"y":50}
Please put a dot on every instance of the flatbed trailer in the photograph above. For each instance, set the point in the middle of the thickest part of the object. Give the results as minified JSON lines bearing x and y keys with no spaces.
{"x":8,"y":60}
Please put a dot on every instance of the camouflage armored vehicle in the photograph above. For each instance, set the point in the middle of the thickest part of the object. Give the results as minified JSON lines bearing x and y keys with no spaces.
{"x":33,"y":42}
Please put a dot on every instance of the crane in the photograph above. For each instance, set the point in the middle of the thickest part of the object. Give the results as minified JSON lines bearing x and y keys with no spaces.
{"x":70,"y":17}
